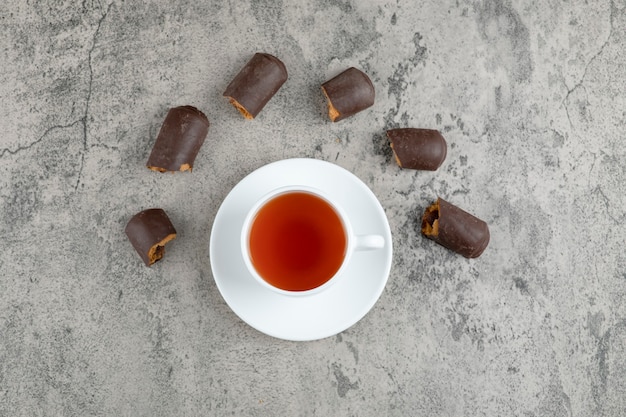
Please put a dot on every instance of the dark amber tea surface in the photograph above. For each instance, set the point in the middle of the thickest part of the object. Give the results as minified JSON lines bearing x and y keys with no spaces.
{"x":297,"y":241}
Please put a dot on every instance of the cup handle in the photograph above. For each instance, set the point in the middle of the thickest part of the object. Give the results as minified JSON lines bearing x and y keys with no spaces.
{"x":368,"y":242}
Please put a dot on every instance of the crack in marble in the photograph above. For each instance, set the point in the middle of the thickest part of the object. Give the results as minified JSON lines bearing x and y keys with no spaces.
{"x":89,"y":92}
{"x":598,"y":191}
{"x":105,"y":146}
{"x":38,"y":140}
{"x":579,"y":84}
{"x":593,"y":164}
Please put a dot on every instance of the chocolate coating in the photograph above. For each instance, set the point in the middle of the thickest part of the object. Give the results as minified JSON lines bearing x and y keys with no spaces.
{"x":182,"y":134}
{"x":256,"y":84}
{"x":348,"y":93}
{"x":455,"y":229}
{"x":148,"y":232}
{"x":423,"y":149}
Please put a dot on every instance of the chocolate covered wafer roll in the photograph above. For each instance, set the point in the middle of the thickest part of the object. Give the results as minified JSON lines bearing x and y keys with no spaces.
{"x":423,"y":149}
{"x":455,"y":229}
{"x":256,"y":84}
{"x":182,"y":134}
{"x":148,"y":232}
{"x":348,"y":93}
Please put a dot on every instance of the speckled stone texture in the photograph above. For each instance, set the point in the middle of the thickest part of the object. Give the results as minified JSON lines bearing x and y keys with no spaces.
{"x":531,"y":98}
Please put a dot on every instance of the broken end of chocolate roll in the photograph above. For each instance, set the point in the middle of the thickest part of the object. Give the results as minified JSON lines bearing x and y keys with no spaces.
{"x":148,"y":232}
{"x":430,"y":220}
{"x":455,"y":229}
{"x":333,"y":113}
{"x":421,"y":149}
{"x":181,"y":136}
{"x":241,"y":108}
{"x":156,"y":169}
{"x":156,"y":252}
{"x":348,"y":93}
{"x":183,"y":167}
{"x":395,"y":154}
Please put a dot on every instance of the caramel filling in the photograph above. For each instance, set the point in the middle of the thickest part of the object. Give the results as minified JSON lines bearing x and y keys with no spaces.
{"x":430,"y":220}
{"x":183,"y":167}
{"x":241,"y":109}
{"x":395,"y":155}
{"x":157,"y":251}
{"x":333,"y":113}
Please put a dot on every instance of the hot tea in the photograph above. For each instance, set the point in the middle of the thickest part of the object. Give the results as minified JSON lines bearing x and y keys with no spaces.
{"x":297,"y":241}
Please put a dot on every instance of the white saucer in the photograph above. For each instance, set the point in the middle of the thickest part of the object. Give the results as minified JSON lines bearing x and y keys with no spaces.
{"x":310,"y":317}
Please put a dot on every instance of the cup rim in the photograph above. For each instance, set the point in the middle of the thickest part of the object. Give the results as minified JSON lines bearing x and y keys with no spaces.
{"x":249,"y":219}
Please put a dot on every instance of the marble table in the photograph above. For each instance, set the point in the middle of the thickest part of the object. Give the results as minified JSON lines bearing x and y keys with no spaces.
{"x":531,"y":98}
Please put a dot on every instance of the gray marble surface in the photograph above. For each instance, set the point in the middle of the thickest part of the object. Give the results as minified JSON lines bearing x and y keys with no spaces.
{"x":531,"y":97}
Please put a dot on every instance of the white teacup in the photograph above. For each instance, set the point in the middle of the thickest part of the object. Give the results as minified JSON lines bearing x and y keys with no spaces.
{"x":296,"y":240}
